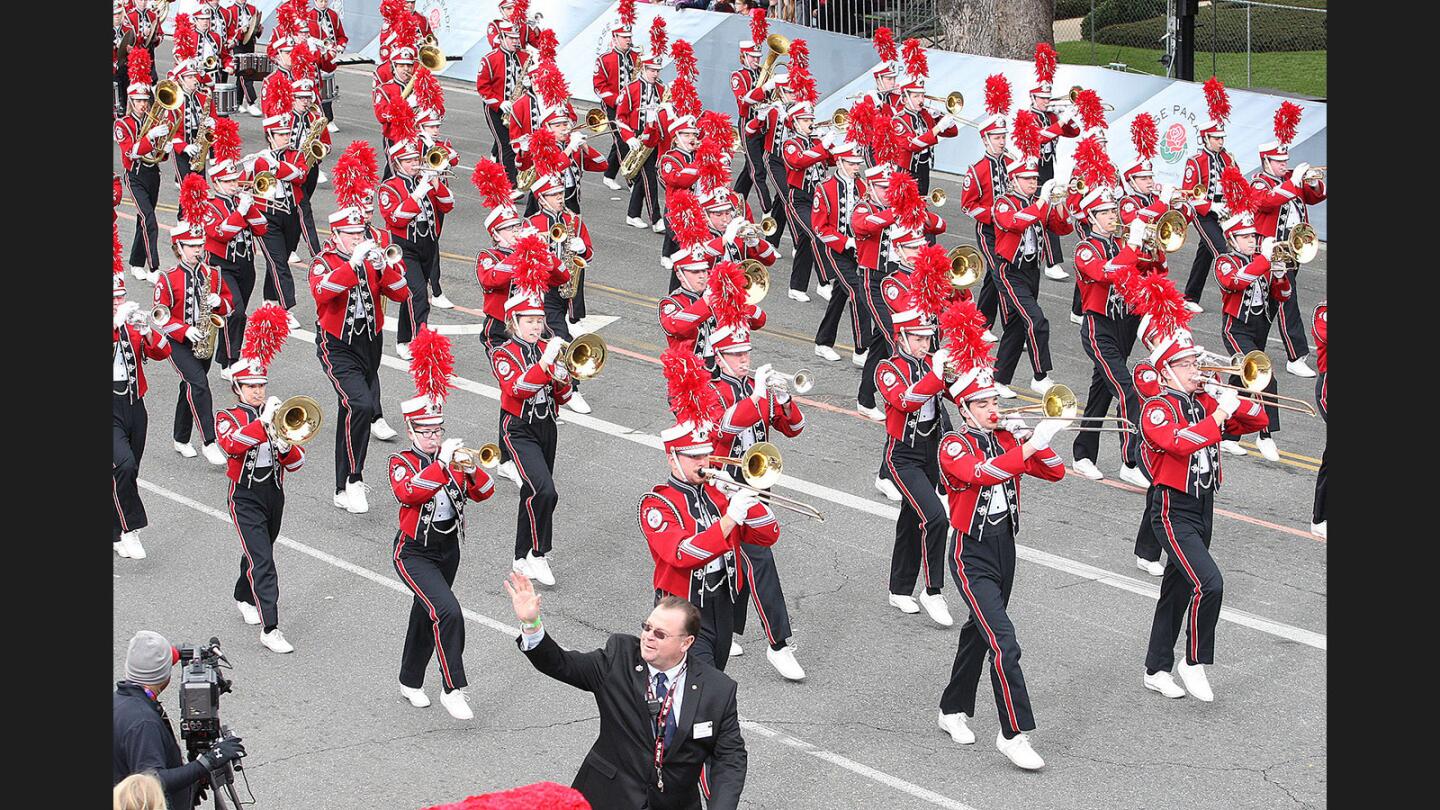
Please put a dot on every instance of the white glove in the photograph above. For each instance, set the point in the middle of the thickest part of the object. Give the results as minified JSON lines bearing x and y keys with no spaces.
{"x":740,"y":504}
{"x":1267,"y":246}
{"x":762,"y":382}
{"x":577,"y":245}
{"x":1167,"y":191}
{"x":1017,"y":427}
{"x":123,"y":313}
{"x":213,"y":299}
{"x":505,"y":106}
{"x":1219,"y":210}
{"x":157,"y":132}
{"x":768,"y":85}
{"x":552,"y":351}
{"x":633,"y":143}
{"x":1136,"y":236}
{"x":849,"y":243}
{"x":1227,"y":400}
{"x":1299,"y":171}
{"x":193,"y":335}
{"x":360,"y":251}
{"x":267,"y":412}
{"x":576,"y":138}
{"x":447,"y":450}
{"x":192,"y":150}
{"x":937,"y":363}
{"x":1045,"y":432}
{"x":281,"y":446}
{"x":733,"y":229}
{"x":422,"y":188}
{"x":1070,"y":114}
{"x":752,"y":241}
{"x":559,"y":372}
{"x":1045,"y":189}
{"x":244,"y":203}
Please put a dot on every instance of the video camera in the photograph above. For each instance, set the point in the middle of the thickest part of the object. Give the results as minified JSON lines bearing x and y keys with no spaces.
{"x":201,"y":685}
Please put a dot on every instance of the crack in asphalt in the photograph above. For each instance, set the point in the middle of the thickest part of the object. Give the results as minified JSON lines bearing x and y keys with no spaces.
{"x":1263,"y":773}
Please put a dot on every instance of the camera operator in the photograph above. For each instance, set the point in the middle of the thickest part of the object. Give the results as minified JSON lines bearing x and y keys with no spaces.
{"x":144,"y":739}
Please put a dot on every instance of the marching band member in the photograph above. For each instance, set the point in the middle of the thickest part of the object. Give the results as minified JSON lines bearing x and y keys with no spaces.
{"x":143,"y":19}
{"x":570,"y":156}
{"x":243,"y":25}
{"x":885,"y":93}
{"x":691,"y":524}
{"x":1147,"y":385}
{"x":136,"y":340}
{"x":259,"y":460}
{"x":832,"y":217}
{"x":306,"y":115}
{"x":142,"y":179}
{"x":1319,"y":521}
{"x":347,"y":280}
{"x":678,"y":171}
{"x":230,"y":230}
{"x":432,"y":489}
{"x":980,"y":469}
{"x":326,"y":25}
{"x":748,"y":95}
{"x":282,"y":232}
{"x":1181,"y":427}
{"x":122,"y":38}
{"x":1020,"y":218}
{"x":528,"y":33}
{"x":189,"y":290}
{"x":871,"y":223}
{"x":729,"y":242}
{"x":614,"y":71}
{"x":985,"y":182}
{"x":805,"y":162}
{"x":401,"y":27}
{"x":430,"y":118}
{"x":686,"y":315}
{"x":409,"y":202}
{"x":1204,"y":169}
{"x":211,"y":44}
{"x":195,"y":103}
{"x":637,"y":113}
{"x":1052,"y":128}
{"x":919,"y":127}
{"x":503,"y":224}
{"x":498,"y":82}
{"x":576,"y":242}
{"x":1282,"y":200}
{"x":771,"y":121}
{"x":1252,"y":289}
{"x":533,"y":384}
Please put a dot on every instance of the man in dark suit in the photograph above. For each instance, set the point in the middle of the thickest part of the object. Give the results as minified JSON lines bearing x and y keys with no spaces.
{"x":643,"y":686}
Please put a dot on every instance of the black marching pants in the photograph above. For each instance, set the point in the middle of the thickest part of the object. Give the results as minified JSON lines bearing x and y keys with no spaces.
{"x":248,"y":95}
{"x":921,"y":528}
{"x":1025,"y":324}
{"x":1248,"y":336}
{"x":717,"y":616}
{"x":988,"y":300}
{"x":1318,"y":515}
{"x":1210,"y":245}
{"x":844,"y":270}
{"x":239,"y":277}
{"x":142,"y":183}
{"x":354,"y":369}
{"x":799,"y":201}
{"x":646,"y":189}
{"x":282,"y":236}
{"x":436,"y":622}
{"x":1147,"y":546}
{"x":531,"y":445}
{"x":130,"y":424}
{"x":500,"y":150}
{"x":754,"y":174}
{"x":1292,"y":323}
{"x":618,"y":148}
{"x":780,"y":177}
{"x":1102,"y":339}
{"x":984,"y":568}
{"x":256,"y":512}
{"x":194,"y":405}
{"x":878,"y":346}
{"x":307,"y":216}
{"x":422,"y":257}
{"x":1192,"y":586}
{"x":762,"y":586}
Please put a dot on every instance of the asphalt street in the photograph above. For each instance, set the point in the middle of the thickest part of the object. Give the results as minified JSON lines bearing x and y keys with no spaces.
{"x":325,"y":727}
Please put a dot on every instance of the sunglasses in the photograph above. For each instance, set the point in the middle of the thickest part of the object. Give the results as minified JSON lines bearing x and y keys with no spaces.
{"x":660,"y":635}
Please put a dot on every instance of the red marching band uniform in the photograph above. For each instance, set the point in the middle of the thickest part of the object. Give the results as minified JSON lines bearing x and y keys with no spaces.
{"x":135,"y":342}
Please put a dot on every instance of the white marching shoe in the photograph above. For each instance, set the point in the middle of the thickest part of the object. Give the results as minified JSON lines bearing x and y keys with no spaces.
{"x":132,"y":548}
{"x":355,"y":502}
{"x":254,"y":110}
{"x":827,"y":353}
{"x":1154,"y":569}
{"x":1233,"y":448}
{"x":1319,"y":529}
{"x":321,"y":179}
{"x":956,"y":725}
{"x":824,"y":291}
{"x":248,"y":612}
{"x":381,"y":430}
{"x":784,"y":662}
{"x":540,"y":569}
{"x":441,"y":302}
{"x":1041,"y":386}
{"x":1195,"y":680}
{"x":1299,"y":367}
{"x":341,"y":502}
{"x":735,"y":649}
{"x":905,"y":603}
{"x":213,"y":454}
{"x":858,"y":358}
{"x":522,"y":566}
{"x":1266,"y":446}
{"x":635,"y":222}
{"x":798,"y":295}
{"x":887,"y":488}
{"x":1076,"y":319}
{"x":1085,"y":467}
{"x":1133,"y":475}
{"x":611,"y":183}
{"x":1163,"y":683}
{"x":417,"y":697}
{"x":934,"y":605}
{"x":139,"y":273}
{"x":457,"y":703}
{"x":989,"y":337}
{"x":184,"y":449}
{"x":1056,"y":272}
{"x":874,"y":414}
{"x":295,"y":258}
{"x":1004,"y":391}
{"x":275,"y":642}
{"x":403,"y":350}
{"x":226,"y":373}
{"x":667,"y":262}
{"x":1194,"y":307}
{"x":577,"y":403}
{"x":658,"y":227}
{"x":1018,"y":749}
{"x":292,"y":321}
{"x":508,"y":471}
{"x":334,"y":127}
{"x":121,"y":549}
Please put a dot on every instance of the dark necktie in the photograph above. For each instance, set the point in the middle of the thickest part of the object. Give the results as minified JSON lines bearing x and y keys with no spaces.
{"x":661,"y":691}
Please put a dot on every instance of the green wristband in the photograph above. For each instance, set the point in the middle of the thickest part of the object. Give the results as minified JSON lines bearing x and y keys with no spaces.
{"x":531,"y":625}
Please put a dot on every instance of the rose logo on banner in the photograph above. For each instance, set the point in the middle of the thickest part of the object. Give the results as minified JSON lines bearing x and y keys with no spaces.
{"x":1172,"y":143}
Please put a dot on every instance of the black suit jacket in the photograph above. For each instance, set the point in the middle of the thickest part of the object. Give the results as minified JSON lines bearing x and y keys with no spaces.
{"x":619,"y":772}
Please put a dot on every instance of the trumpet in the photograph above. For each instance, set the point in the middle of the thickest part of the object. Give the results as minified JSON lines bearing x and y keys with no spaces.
{"x":167,"y":97}
{"x":967,"y":267}
{"x":751,"y":230}
{"x":584,"y":356}
{"x":760,"y":466}
{"x":757,"y":281}
{"x":1314,"y":174}
{"x":937,"y":197}
{"x":800,"y":382}
{"x":1074,"y":95}
{"x":158,"y":316}
{"x":467,"y":459}
{"x":1060,"y":403}
{"x":297,"y":420}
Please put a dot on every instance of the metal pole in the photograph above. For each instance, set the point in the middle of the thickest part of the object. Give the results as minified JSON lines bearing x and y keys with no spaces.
{"x":1092,"y":32}
{"x":1248,"y":45}
{"x":1214,"y":37}
{"x":1184,"y":67}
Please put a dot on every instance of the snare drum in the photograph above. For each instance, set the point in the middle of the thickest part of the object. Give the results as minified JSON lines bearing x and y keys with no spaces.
{"x":227,"y":98}
{"x":328,"y":90}
{"x":252,"y":65}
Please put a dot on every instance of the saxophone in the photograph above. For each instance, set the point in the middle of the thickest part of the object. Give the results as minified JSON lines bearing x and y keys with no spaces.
{"x":560,"y":235}
{"x":207,"y":321}
{"x":206,"y":139}
{"x":312,"y":149}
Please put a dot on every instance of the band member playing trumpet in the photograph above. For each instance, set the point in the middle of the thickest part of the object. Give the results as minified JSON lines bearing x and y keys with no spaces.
{"x":533,"y":385}
{"x":1204,"y":170}
{"x":286,"y":169}
{"x":492,"y":269}
{"x":260,"y":456}
{"x":980,"y":469}
{"x":136,"y":340}
{"x":141,"y":132}
{"x":1181,"y":427}
{"x":236,"y":219}
{"x":527,"y":31}
{"x":347,"y":280}
{"x":614,"y":71}
{"x":692,"y":523}
{"x":552,"y":220}
{"x":194,"y":295}
{"x":430,"y":117}
{"x":686,"y":314}
{"x":832,"y":217}
{"x":409,"y":202}
{"x":432,"y":482}
{"x":1319,"y":523}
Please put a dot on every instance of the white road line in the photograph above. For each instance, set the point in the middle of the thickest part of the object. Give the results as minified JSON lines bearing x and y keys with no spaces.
{"x":848,"y":764}
{"x":1288,"y":632}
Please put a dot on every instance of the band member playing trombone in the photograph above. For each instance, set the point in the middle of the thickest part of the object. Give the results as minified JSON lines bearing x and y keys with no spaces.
{"x":137,"y":339}
{"x":980,"y":470}
{"x":1252,"y":289}
{"x":432,"y":480}
{"x":573,"y":249}
{"x":409,"y":202}
{"x":692,"y":523}
{"x":260,"y":454}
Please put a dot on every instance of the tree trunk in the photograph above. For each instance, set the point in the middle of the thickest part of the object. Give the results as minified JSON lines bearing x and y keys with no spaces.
{"x":1005,"y":28}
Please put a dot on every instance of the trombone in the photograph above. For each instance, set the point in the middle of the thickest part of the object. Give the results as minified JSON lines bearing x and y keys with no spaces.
{"x":584,"y":356}
{"x":466,"y":459}
{"x":800,"y":382}
{"x":840,"y":121}
{"x":954,"y":103}
{"x":297,"y":420}
{"x":757,"y":281}
{"x":760,"y":466}
{"x":1060,"y":403}
{"x":1255,"y":372}
{"x":967,"y":267}
{"x":265,"y":186}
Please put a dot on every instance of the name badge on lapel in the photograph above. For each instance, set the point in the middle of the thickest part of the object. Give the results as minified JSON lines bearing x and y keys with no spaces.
{"x":702,"y":730}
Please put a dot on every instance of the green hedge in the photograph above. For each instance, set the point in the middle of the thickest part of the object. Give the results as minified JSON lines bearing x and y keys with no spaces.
{"x":1115,"y":12}
{"x":1270,"y":30}
{"x":1070,"y":9}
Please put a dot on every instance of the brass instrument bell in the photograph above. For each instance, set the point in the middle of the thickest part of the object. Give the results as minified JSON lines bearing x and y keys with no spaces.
{"x":297,"y":420}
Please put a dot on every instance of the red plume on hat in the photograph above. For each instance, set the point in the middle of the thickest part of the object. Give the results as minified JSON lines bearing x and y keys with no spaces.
{"x":715,"y":126}
{"x":1044,"y":62}
{"x":687,"y":383}
{"x":227,"y":140}
{"x":627,"y":12}
{"x":903,"y":195}
{"x":964,"y":329}
{"x":194,"y":199}
{"x":520,"y":12}
{"x":355,"y":173}
{"x":1145,"y":135}
{"x":117,"y":267}
{"x":287,"y":20}
{"x":545,"y":154}
{"x":1237,"y":192}
{"x":685,"y":64}
{"x":916,"y":62}
{"x":534,"y":264}
{"x":550,"y":84}
{"x":1091,"y":110}
{"x":1093,"y":162}
{"x":659,"y":37}
{"x":1026,"y":136}
{"x":398,"y":117}
{"x":1154,"y":294}
{"x":1217,"y":99}
{"x":884,"y":41}
{"x":546,"y":44}
{"x":302,"y":61}
{"x":493,"y":184}
{"x":803,"y":85}
{"x":187,"y":38}
{"x":139,"y":65}
{"x":431,"y":364}
{"x":799,"y":54}
{"x":265,"y":332}
{"x":862,"y":121}
{"x":429,"y":95}
{"x":279,"y":95}
{"x":888,"y":144}
{"x":727,"y":294}
{"x":392,"y":10}
{"x":997,"y":94}
{"x":683,"y":96}
{"x":687,"y":219}
{"x":759,"y":26}
{"x":1287,"y":120}
{"x":711,"y":165}
{"x":929,"y":282}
